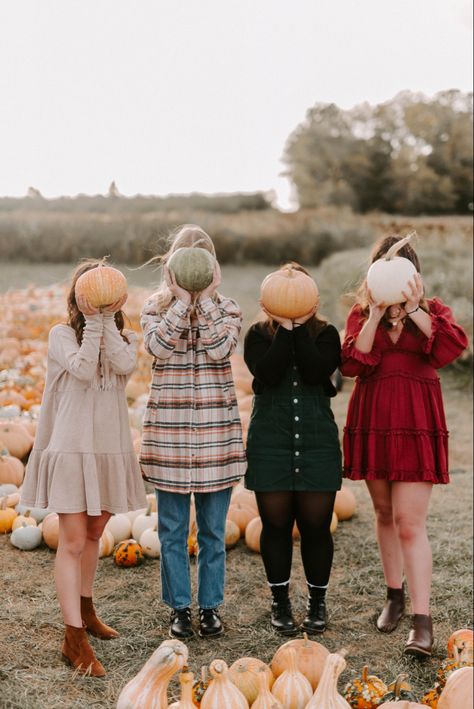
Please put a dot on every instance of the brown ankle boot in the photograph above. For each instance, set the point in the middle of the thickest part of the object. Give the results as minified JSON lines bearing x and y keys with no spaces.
{"x":93,"y":624}
{"x":392,"y":610}
{"x":420,"y":638}
{"x":78,"y":652}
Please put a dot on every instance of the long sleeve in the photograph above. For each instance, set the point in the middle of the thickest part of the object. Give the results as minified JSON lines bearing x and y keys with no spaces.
{"x":268,"y":358}
{"x":121,"y":355}
{"x":219,"y":326}
{"x":353,"y":362}
{"x":79,"y":360}
{"x":162,"y":330}
{"x":317,"y":358}
{"x":448,"y":340}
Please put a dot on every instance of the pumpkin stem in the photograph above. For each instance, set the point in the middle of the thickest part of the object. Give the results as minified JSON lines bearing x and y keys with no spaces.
{"x":393,"y":250}
{"x":365,"y":671}
{"x":398,"y":685}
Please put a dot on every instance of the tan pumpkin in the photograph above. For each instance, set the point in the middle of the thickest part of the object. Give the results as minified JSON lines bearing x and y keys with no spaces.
{"x":334,"y":523}
{"x":106,"y":544}
{"x":292,"y":688}
{"x":12,"y":500}
{"x":310,"y":659}
{"x":245,"y":497}
{"x":253,"y":532}
{"x":289,"y":293}
{"x":128,"y":553}
{"x":24,"y":520}
{"x":241,"y":514}
{"x":345,"y":504}
{"x":186,"y":683}
{"x":460,"y":644}
{"x":16,"y":439}
{"x":458,"y":692}
{"x":7,"y":517}
{"x":221,"y":692}
{"x":12,"y":469}
{"x":149,"y":687}
{"x":365,"y":692}
{"x":450,"y":665}
{"x":245,"y":672}
{"x":50,"y":529}
{"x":326,"y":695}
{"x":102,"y":285}
{"x":265,"y":699}
{"x":232,"y":534}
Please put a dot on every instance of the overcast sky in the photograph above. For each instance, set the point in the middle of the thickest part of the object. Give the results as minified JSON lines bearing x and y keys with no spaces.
{"x":168,"y":96}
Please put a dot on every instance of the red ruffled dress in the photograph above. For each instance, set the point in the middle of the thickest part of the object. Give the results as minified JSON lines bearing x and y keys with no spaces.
{"x":396,"y":427}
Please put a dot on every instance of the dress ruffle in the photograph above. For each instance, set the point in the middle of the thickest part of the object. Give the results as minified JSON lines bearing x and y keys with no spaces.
{"x":83,"y":482}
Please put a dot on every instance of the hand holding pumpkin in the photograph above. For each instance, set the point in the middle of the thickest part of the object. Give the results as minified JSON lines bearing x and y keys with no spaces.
{"x":115,"y":307}
{"x":85,"y":307}
{"x":415,"y":295}
{"x":214,"y":284}
{"x":176,"y":290}
{"x":376,"y":310}
{"x":304,"y":318}
{"x":285,"y":322}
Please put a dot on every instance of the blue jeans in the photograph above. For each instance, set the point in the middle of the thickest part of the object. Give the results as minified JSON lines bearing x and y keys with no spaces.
{"x":173,"y":531}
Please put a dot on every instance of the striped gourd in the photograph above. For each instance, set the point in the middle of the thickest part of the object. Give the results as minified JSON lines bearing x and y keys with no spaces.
{"x":292,"y":688}
{"x":221,"y":693}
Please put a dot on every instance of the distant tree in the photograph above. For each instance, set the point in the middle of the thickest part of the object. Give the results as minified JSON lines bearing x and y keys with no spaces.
{"x":412,"y":154}
{"x":33,"y":193}
{"x":113,"y":190}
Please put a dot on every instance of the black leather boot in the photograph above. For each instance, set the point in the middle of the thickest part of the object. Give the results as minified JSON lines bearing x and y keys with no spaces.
{"x":392,"y":611}
{"x":282,"y":616}
{"x":316,"y":615}
{"x":210,"y":624}
{"x":180,"y":623}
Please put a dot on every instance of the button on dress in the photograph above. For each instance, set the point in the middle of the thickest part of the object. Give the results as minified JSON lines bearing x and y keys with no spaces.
{"x":396,"y":426}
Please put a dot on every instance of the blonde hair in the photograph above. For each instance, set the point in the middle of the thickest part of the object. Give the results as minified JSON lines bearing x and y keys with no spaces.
{"x":185,"y":235}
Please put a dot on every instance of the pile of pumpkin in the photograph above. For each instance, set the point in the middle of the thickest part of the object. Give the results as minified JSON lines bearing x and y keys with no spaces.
{"x":302,"y":675}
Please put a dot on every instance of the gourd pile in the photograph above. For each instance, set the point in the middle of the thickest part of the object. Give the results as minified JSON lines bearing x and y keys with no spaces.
{"x":303,"y":674}
{"x":27,"y":316}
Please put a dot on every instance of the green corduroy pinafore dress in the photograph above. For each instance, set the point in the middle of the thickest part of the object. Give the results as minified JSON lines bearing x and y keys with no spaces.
{"x":293,"y":441}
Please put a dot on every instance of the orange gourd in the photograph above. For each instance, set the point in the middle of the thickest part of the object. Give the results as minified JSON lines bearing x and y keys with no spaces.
{"x":310,"y":659}
{"x":12,"y":470}
{"x":50,"y":529}
{"x":265,"y":699}
{"x":244,"y":673}
{"x":222,"y":693}
{"x":148,"y":689}
{"x":102,"y":285}
{"x":16,"y":439}
{"x":7,"y":517}
{"x":326,"y":695}
{"x":292,"y":688}
{"x":289,"y":293}
{"x":128,"y":553}
{"x":345,"y":504}
{"x":253,"y":532}
{"x":365,"y":692}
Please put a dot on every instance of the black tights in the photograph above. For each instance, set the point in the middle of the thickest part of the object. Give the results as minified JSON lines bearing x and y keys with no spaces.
{"x":312,"y":511}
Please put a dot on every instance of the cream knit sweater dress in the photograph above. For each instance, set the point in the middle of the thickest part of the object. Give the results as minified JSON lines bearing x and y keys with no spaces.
{"x":83,"y":459}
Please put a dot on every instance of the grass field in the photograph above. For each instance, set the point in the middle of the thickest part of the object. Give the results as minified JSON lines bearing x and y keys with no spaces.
{"x":32,"y":675}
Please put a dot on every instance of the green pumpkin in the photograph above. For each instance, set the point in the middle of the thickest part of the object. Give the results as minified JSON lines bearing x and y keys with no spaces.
{"x":193,"y":268}
{"x":399,"y":690}
{"x":26,"y":537}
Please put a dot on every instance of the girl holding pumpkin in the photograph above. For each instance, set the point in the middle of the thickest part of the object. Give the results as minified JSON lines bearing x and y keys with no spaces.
{"x":395,"y":437}
{"x":192,"y":439}
{"x":293,"y":452}
{"x":82,"y":465}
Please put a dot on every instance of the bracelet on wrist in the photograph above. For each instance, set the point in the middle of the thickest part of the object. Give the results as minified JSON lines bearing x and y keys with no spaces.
{"x":412,"y":311}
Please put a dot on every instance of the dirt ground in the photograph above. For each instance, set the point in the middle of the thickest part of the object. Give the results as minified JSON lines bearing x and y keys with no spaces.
{"x":32,"y":675}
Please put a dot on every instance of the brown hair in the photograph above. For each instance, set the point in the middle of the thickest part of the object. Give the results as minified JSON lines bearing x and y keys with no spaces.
{"x":76,"y":319}
{"x":314,"y":324}
{"x":379,"y":249}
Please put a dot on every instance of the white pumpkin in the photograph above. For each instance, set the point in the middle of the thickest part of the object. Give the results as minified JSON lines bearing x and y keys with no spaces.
{"x":38,"y":513}
{"x":120,"y":527}
{"x":8,"y":489}
{"x":142,"y":522}
{"x":106,"y":543}
{"x":150,"y":543}
{"x":26,"y":537}
{"x":133,"y":514}
{"x":389,"y":276}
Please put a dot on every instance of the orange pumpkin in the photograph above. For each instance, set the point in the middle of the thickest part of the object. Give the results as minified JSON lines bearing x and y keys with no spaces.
{"x":244,"y":674}
{"x":241,"y":514}
{"x":16,"y":439}
{"x":232,"y":534}
{"x":345,"y":504}
{"x":50,"y":530}
{"x":310,"y":659}
{"x":102,"y":285}
{"x":253,"y":533}
{"x":460,"y":644}
{"x":289,"y":293}
{"x":128,"y":553}
{"x":7,"y":517}
{"x":12,"y":470}
{"x":458,"y":692}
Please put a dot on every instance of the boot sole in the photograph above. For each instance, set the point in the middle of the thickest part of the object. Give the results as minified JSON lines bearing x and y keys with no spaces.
{"x":79,"y":669}
{"x":285,"y":632}
{"x":180,"y":637}
{"x":417,"y":652}
{"x":206,"y":636}
{"x":313,"y":631}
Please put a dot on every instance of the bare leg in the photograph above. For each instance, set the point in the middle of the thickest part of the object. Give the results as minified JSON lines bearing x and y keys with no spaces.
{"x":90,"y":555}
{"x":387,"y":536}
{"x":72,"y":539}
{"x":410,"y":506}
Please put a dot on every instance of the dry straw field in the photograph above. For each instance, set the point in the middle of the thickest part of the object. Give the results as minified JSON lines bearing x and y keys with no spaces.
{"x":32,"y":675}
